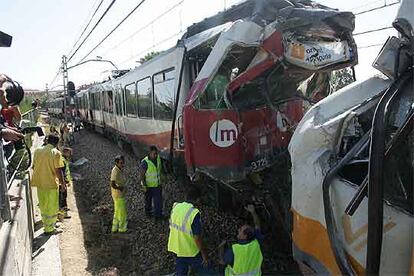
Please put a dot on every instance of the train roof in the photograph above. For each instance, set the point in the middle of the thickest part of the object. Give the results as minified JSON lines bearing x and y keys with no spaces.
{"x":261,"y":12}
{"x":290,"y":13}
{"x":56,"y":99}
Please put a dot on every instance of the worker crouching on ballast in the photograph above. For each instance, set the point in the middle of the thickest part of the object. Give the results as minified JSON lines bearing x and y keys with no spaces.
{"x":245,"y":257}
{"x":119,"y":222}
{"x":185,"y":239}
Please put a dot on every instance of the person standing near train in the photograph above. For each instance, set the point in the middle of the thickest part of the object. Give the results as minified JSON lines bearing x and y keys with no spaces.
{"x":119,"y":222}
{"x":150,"y":177}
{"x":63,"y":194}
{"x":48,"y":178}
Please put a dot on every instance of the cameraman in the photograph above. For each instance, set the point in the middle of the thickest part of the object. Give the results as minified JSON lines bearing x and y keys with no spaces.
{"x":11,"y":94}
{"x":15,"y":94}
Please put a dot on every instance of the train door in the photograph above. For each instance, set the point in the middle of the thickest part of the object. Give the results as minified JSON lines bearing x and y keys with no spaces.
{"x":108,"y":108}
{"x":119,"y":108}
{"x":90,"y":107}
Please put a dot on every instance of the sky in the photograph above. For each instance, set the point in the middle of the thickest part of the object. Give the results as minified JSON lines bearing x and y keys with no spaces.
{"x":44,"y":30}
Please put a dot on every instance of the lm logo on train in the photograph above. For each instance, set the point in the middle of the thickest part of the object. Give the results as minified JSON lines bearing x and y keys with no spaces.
{"x":223,"y":133}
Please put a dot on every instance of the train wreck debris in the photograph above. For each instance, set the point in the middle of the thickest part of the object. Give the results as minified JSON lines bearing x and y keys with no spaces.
{"x":223,"y":103}
{"x":352,"y":170}
{"x":256,"y":81}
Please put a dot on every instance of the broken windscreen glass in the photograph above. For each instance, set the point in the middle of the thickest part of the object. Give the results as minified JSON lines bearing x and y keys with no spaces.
{"x":236,"y":62}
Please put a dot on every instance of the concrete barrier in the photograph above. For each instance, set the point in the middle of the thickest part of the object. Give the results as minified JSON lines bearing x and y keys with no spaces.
{"x":16,"y":235}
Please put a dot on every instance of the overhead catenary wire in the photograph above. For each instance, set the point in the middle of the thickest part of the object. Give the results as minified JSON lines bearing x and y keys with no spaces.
{"x":377,"y":8}
{"x":94,"y":27}
{"x":371,"y":45}
{"x":374,"y":30}
{"x":365,"y":5}
{"x":113,"y":30}
{"x":55,"y":77}
{"x":87,"y":25}
{"x":145,"y":26}
{"x":153,"y":46}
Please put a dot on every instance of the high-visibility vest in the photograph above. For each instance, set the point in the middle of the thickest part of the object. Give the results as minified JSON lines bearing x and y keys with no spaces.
{"x":68,"y":175}
{"x":153,"y":173}
{"x":181,"y":239}
{"x":248,"y":260}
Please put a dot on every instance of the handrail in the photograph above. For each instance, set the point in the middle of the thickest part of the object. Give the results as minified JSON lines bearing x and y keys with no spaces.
{"x":5,"y":181}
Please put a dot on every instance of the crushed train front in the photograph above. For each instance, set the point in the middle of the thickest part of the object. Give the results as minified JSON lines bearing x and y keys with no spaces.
{"x":261,"y":75}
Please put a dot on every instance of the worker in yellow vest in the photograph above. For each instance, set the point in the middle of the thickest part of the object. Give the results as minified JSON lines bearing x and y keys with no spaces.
{"x":185,"y":237}
{"x":245,"y":257}
{"x":48,"y":178}
{"x":119,"y":222}
{"x":150,"y":176}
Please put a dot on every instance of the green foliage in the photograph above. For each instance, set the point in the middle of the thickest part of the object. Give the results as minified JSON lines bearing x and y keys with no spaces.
{"x":26,"y":104}
{"x":341,"y":78}
{"x":148,"y":57}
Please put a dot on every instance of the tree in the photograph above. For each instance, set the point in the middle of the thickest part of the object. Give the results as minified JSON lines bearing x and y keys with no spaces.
{"x":148,"y":57}
{"x":341,"y":78}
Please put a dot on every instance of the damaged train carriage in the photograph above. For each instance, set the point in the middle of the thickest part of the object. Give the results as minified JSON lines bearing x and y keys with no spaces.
{"x":352,"y":170}
{"x":256,"y":82}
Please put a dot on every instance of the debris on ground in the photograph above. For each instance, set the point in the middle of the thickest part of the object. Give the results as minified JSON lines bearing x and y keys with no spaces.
{"x":81,"y":161}
{"x":143,"y":250}
{"x":76,"y":176}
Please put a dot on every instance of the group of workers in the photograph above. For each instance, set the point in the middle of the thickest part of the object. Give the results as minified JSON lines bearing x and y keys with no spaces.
{"x":52,"y":176}
{"x":185,"y":223}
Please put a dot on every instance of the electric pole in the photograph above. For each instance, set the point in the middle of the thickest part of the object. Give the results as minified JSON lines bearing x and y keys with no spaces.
{"x":47,"y":91}
{"x":65,"y":84}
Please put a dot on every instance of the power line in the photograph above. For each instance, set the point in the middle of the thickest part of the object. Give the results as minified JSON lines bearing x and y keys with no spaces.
{"x":364,"y":5}
{"x":374,"y":30}
{"x":146,"y":26}
{"x":54,"y":79}
{"x":87,"y":25}
{"x":116,"y":27}
{"x":90,"y":32}
{"x":377,"y":8}
{"x":149,"y":48}
{"x":372,"y":45}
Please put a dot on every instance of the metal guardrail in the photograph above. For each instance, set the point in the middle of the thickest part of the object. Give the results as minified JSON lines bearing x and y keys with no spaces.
{"x":6,"y":176}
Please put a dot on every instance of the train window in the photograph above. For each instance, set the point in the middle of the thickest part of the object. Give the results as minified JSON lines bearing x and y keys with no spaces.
{"x":213,"y":96}
{"x":236,"y":62}
{"x":131,"y":100}
{"x":144,"y":98}
{"x":164,"y":95}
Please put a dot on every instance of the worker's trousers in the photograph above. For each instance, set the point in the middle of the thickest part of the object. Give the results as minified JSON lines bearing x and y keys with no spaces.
{"x":63,"y":195}
{"x":49,"y":207}
{"x":119,"y":222}
{"x":153,"y":194}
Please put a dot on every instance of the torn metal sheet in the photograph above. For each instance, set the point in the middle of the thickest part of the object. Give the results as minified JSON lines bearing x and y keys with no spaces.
{"x":80,"y":162}
{"x":352,"y":171}
{"x":77,"y":176}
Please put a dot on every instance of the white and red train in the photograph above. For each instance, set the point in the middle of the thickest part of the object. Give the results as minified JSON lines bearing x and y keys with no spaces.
{"x":224,"y":102}
{"x":228,"y":96}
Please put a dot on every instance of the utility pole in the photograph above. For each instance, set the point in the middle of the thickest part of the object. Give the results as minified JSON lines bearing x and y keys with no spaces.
{"x":47,"y":91}
{"x":65,"y":84}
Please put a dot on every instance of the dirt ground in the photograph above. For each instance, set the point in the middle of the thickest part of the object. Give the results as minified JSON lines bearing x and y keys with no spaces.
{"x":72,"y":243}
{"x":89,"y":248}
